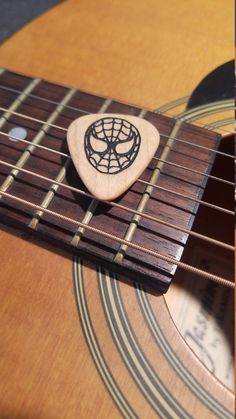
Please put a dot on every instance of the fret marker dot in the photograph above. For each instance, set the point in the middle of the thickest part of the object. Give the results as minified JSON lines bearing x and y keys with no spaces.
{"x":18,"y":132}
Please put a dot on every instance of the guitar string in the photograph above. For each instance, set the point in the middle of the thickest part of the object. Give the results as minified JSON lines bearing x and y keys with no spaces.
{"x":199,"y":201}
{"x":182,"y":141}
{"x":198,"y":172}
{"x":168,"y":259}
{"x":74,"y":108}
{"x":123,"y":207}
{"x":162,"y":134}
{"x":189,"y":143}
{"x":176,"y":165}
{"x":155,"y":158}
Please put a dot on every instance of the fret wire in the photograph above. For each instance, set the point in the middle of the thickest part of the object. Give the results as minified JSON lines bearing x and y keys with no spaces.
{"x":54,"y":187}
{"x":138,"y":180}
{"x":123,"y":207}
{"x":17,"y":102}
{"x":37,"y":139}
{"x":86,"y":220}
{"x":157,"y":111}
{"x":94,"y":203}
{"x":50,"y":194}
{"x":168,"y":259}
{"x":162,"y":134}
{"x":133,"y":225}
{"x":130,"y":232}
{"x":154,"y":158}
{"x":4,"y":118}
{"x":199,"y":201}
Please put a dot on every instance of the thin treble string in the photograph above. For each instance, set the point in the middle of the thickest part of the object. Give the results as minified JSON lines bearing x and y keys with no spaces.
{"x":200,"y":146}
{"x":53,"y":102}
{"x":216,"y":207}
{"x":162,"y":134}
{"x":123,"y":207}
{"x":22,"y":140}
{"x":30,"y":118}
{"x":156,"y":158}
{"x":67,"y":156}
{"x":168,"y":259}
{"x":195,"y":171}
{"x":87,"y":112}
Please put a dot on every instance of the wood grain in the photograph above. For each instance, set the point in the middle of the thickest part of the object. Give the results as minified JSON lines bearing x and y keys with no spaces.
{"x":137,"y":54}
{"x":109,"y":162}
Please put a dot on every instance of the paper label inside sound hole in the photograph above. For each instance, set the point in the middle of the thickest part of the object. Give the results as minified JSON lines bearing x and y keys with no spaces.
{"x":204,"y":315}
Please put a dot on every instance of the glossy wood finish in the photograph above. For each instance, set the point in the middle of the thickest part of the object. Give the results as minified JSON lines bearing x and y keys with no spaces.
{"x":145,"y":54}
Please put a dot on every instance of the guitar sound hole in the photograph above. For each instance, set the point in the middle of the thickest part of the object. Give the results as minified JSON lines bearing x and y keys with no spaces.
{"x":204,"y":311}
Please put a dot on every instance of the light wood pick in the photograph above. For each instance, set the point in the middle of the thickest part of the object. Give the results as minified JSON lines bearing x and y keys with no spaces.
{"x":110,"y":151}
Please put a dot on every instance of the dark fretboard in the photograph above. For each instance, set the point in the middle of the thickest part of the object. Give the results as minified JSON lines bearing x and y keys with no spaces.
{"x":59,"y":106}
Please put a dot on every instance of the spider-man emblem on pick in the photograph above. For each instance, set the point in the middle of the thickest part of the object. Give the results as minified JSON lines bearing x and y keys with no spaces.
{"x":111,"y":144}
{"x":111,"y":151}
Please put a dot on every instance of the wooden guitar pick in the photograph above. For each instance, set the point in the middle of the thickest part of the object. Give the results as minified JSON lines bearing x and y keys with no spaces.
{"x":110,"y":151}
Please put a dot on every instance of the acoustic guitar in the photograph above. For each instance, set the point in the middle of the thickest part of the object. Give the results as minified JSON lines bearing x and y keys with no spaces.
{"x":95,"y":323}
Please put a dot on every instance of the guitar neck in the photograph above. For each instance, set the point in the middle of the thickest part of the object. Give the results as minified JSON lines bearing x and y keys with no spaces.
{"x":141,"y":234}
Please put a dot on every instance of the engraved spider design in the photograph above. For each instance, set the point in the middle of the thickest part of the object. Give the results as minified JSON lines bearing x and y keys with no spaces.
{"x":111,"y":144}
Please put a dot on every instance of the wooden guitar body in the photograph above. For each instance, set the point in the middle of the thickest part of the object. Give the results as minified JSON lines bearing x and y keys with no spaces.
{"x":77,"y":342}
